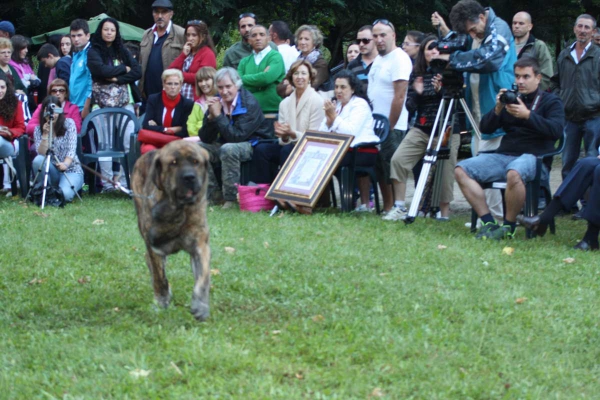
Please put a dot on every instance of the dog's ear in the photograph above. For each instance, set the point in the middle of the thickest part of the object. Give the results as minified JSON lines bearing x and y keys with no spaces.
{"x":156,"y":172}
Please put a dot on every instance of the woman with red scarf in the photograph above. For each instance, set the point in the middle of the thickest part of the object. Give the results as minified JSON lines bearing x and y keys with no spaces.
{"x":166,"y":113}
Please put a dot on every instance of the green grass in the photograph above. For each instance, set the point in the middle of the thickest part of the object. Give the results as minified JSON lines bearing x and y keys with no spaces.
{"x":322,"y":306}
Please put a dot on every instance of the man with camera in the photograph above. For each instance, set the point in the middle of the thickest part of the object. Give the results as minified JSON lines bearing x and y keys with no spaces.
{"x":488,"y":64}
{"x":533,"y":121}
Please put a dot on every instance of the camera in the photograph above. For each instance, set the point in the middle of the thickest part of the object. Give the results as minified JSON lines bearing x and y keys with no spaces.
{"x":53,"y":109}
{"x":511,"y":96}
{"x":452,"y":42}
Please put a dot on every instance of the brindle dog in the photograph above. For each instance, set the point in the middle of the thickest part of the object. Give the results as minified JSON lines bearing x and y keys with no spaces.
{"x":169,"y":187}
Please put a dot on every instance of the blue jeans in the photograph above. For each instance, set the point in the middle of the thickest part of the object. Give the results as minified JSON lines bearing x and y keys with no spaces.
{"x":56,"y":177}
{"x":576,"y":132}
{"x":6,"y":148}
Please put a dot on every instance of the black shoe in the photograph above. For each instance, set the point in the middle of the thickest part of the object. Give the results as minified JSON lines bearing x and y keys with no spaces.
{"x":533,"y":223}
{"x":578,"y":215}
{"x":585,"y":246}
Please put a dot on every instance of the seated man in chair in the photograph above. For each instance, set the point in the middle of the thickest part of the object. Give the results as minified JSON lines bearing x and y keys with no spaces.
{"x":232,"y":124}
{"x":533,"y":123}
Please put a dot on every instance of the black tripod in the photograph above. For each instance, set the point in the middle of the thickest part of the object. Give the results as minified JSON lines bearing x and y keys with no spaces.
{"x":453,"y":99}
{"x":50,"y":112}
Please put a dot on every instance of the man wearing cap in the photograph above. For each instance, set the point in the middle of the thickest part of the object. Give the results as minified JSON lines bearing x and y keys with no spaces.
{"x":159,"y":47}
{"x":7,"y":29}
{"x":242,"y":49}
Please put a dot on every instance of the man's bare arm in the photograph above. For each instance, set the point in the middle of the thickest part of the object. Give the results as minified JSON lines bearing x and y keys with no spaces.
{"x":400,"y":88}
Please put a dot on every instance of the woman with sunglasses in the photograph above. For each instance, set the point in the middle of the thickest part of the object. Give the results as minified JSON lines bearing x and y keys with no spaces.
{"x":59,"y":89}
{"x":198,"y":52}
{"x":423,"y":98}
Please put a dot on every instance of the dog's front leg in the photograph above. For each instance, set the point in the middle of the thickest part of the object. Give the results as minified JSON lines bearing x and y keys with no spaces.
{"x":200,"y":261}
{"x":156,"y":265}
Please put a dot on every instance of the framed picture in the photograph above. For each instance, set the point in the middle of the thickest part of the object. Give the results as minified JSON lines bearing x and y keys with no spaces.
{"x":310,"y":166}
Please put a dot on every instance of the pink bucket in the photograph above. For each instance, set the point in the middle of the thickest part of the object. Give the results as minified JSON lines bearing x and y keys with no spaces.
{"x":252,"y":198}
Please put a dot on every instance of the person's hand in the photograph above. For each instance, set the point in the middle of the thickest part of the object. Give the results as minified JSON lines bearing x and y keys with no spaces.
{"x":113,"y":79}
{"x":152,"y":123}
{"x":441,"y":56}
{"x":438,"y":21}
{"x":6,"y":133}
{"x":62,"y":166}
{"x":19,"y":91}
{"x":187,"y":48}
{"x":519,"y":110}
{"x":437,"y":82}
{"x":127,"y":69}
{"x":499,"y":105}
{"x":330,"y":114}
{"x":214,"y":107}
{"x":418,"y":84}
{"x":46,"y":128}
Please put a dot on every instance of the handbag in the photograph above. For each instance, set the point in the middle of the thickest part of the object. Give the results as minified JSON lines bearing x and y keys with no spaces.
{"x":110,"y":94}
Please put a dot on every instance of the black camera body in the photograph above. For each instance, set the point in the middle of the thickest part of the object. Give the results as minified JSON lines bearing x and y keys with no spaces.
{"x":453,"y":42}
{"x":511,"y":96}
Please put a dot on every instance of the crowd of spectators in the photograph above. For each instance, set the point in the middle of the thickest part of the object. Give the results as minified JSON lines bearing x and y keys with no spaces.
{"x":275,"y":85}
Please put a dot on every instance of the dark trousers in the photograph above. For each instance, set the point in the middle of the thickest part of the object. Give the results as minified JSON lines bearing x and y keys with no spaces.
{"x":584,"y":175}
{"x":576,"y":132}
{"x":266,"y":160}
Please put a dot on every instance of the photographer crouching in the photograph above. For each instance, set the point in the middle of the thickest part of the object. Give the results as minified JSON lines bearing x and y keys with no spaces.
{"x":65,"y":173}
{"x":533,"y":121}
{"x":487,"y":58}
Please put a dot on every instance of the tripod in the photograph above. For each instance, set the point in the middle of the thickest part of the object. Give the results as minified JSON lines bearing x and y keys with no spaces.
{"x":50,"y":156}
{"x":451,"y":101}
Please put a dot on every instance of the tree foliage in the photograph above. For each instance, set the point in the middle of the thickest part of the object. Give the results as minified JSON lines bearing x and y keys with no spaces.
{"x":338,"y":19}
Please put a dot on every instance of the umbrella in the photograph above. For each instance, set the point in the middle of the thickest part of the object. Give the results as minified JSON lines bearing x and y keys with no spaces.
{"x":128,"y":32}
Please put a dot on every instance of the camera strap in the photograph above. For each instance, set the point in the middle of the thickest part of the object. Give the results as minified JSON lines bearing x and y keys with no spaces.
{"x":538,"y":96}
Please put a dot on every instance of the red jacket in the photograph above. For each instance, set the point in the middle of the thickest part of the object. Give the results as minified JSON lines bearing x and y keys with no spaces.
{"x":17,"y":123}
{"x":205,"y":57}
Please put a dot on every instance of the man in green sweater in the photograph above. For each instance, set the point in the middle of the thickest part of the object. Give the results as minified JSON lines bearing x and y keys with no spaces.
{"x":262,"y":70}
{"x":241,"y":49}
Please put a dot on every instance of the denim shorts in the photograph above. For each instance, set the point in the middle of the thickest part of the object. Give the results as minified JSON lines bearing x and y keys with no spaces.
{"x":493,"y":167}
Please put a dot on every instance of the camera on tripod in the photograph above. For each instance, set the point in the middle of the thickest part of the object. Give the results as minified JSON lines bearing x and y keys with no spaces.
{"x":52,"y":109}
{"x":511,"y":96}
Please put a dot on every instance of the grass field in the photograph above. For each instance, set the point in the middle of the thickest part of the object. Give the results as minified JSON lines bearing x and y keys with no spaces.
{"x":328,"y":306}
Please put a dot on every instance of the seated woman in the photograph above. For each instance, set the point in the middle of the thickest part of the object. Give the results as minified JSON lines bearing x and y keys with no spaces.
{"x":584,"y":175}
{"x":350,"y":113}
{"x":198,"y":52}
{"x":12,"y":122}
{"x":166,"y":113}
{"x":65,"y":170}
{"x":205,"y":89}
{"x":59,"y":89}
{"x":299,"y":112}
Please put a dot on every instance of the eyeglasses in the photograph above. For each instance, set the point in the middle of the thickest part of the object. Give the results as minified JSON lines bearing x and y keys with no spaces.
{"x":363,"y":41}
{"x":384,"y":22}
{"x":58,"y":90}
{"x":247,"y":15}
{"x":195,"y":22}
{"x":406,"y":44}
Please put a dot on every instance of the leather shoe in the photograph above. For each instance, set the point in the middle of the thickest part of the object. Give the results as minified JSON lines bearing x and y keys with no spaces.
{"x":585,"y":246}
{"x":533,"y":223}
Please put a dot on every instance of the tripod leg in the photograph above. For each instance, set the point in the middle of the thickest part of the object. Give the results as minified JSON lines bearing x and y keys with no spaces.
{"x":69,"y":181}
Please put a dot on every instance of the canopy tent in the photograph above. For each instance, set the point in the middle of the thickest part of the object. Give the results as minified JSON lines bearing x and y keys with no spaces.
{"x":128,"y":32}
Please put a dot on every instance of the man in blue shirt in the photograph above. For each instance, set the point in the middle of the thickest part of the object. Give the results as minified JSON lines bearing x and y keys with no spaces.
{"x":80,"y":83}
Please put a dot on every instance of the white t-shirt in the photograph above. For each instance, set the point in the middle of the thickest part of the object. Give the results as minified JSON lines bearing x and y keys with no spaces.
{"x":385,"y":70}
{"x":289,"y":54}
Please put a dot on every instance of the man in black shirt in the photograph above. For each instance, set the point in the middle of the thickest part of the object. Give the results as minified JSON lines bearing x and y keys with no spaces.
{"x":532,"y":126}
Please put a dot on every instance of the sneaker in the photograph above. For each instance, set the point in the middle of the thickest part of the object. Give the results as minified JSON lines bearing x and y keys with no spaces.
{"x":396,"y":214}
{"x":503,"y":232}
{"x":362,"y":208}
{"x":486,"y":230}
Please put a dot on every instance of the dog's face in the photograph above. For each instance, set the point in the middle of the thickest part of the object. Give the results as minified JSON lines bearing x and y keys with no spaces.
{"x":180,"y":170}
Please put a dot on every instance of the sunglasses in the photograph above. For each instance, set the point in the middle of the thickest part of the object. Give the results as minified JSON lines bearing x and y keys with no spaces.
{"x":246,"y":15}
{"x":384,"y":22}
{"x":195,"y":22}
{"x":61,"y":90}
{"x":363,"y":41}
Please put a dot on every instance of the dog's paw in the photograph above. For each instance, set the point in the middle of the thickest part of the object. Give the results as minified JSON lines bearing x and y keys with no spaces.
{"x":163,"y":301}
{"x":200,"y":310}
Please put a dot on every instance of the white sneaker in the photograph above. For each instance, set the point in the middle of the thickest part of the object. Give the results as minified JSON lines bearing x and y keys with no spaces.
{"x":396,"y":214}
{"x":362,"y":208}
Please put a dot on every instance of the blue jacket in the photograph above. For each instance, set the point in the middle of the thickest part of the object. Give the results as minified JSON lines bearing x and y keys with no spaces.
{"x":494,"y":61}
{"x":80,"y":82}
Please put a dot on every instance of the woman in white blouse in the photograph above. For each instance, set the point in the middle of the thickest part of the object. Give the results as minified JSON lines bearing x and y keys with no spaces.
{"x":350,"y":113}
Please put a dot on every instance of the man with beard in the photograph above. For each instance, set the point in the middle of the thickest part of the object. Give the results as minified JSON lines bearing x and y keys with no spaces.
{"x":159,"y":47}
{"x":242,"y":49}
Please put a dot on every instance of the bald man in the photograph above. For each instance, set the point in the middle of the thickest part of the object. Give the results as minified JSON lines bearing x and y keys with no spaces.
{"x":527,"y":44}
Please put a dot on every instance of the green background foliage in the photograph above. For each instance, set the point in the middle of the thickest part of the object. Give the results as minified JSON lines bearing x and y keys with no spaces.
{"x":338,"y":19}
